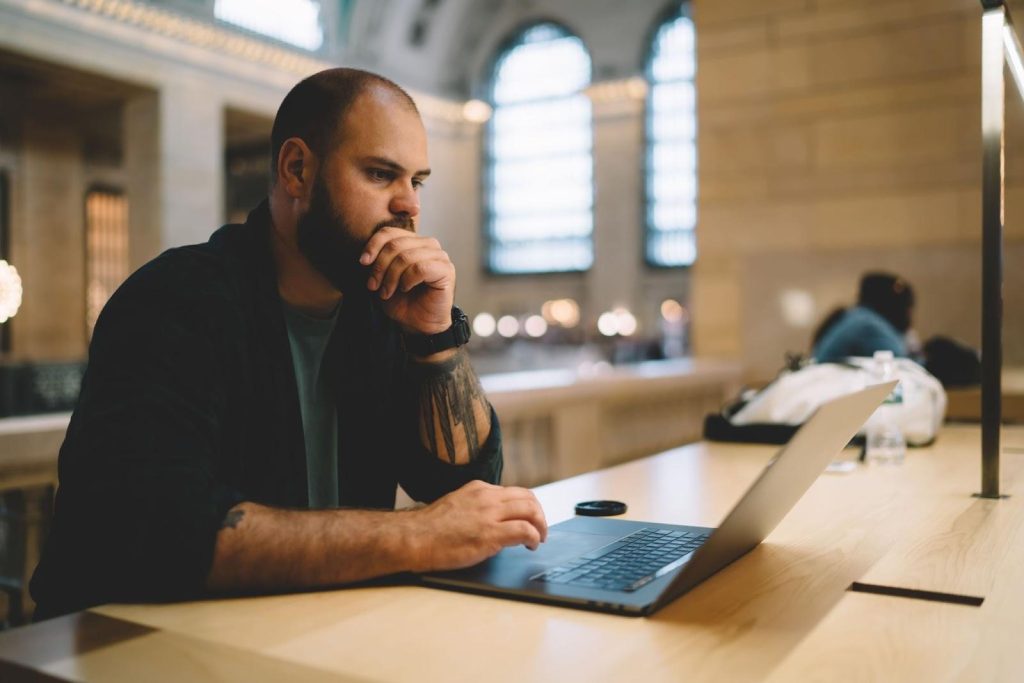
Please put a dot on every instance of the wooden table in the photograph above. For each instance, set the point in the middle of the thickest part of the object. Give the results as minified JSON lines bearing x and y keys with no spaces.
{"x":965,"y":404}
{"x":782,"y":613}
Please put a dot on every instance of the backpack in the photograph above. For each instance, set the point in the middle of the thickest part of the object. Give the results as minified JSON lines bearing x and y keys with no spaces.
{"x":773,"y":414}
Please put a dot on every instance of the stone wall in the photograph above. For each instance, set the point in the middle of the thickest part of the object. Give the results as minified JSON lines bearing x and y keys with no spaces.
{"x":834,"y":137}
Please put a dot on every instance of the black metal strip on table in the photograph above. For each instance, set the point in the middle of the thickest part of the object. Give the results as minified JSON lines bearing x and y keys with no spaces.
{"x":917,"y":594}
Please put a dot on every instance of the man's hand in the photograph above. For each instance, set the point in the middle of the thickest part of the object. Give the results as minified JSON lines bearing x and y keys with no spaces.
{"x":414,"y":277}
{"x":473,"y":523}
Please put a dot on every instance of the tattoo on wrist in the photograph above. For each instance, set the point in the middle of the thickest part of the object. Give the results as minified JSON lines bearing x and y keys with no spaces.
{"x":449,"y":394}
{"x":232,"y":519}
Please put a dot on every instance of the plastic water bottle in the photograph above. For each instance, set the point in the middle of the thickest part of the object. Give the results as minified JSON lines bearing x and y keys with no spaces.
{"x":886,"y":445}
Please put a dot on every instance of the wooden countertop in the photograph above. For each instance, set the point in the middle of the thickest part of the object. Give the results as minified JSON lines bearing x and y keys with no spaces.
{"x":782,"y":613}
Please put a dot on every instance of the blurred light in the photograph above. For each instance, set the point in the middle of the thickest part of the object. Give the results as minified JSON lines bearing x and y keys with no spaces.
{"x":636,"y":87}
{"x":565,"y":312}
{"x":608,"y":324}
{"x":476,"y":111}
{"x":797,"y":307}
{"x":535,"y":326}
{"x":508,"y":326}
{"x":672,"y":311}
{"x":545,"y":310}
{"x":10,"y":291}
{"x":625,"y":322}
{"x":484,"y":325}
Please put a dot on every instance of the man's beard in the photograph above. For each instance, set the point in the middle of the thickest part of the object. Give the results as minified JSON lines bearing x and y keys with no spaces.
{"x":325,"y":239}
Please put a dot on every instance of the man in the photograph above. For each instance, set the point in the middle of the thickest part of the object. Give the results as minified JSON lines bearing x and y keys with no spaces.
{"x":880,"y":321}
{"x":303,"y":360}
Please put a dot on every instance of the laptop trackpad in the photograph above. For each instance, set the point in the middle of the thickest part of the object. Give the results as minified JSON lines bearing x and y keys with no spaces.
{"x":560,"y":546}
{"x":515,"y":565}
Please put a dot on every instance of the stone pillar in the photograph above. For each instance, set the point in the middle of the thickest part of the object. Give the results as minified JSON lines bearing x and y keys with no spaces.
{"x":142,"y":170}
{"x":174,"y":155}
{"x":47,"y":244}
{"x":614,"y":279}
{"x":192,"y":172}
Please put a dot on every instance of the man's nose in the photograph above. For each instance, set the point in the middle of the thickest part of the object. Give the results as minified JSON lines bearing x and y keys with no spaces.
{"x":406,"y":202}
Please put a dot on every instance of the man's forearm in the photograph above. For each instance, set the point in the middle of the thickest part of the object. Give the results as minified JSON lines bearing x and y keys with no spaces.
{"x":268,"y":549}
{"x":264,"y":548}
{"x":455,"y":417}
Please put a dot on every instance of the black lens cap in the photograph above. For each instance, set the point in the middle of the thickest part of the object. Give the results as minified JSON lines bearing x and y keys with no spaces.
{"x":600,"y":508}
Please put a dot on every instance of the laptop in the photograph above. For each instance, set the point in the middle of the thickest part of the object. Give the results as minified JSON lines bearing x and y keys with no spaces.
{"x":635,"y":568}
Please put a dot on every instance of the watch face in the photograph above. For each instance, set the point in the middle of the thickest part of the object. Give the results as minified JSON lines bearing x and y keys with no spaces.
{"x":460,"y":327}
{"x":456,"y":335}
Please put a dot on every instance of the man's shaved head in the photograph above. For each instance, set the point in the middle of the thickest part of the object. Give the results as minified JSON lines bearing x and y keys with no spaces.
{"x":314,"y":109}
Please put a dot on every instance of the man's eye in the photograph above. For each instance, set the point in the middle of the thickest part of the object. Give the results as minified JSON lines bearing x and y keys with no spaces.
{"x":417,"y":183}
{"x":380,"y":174}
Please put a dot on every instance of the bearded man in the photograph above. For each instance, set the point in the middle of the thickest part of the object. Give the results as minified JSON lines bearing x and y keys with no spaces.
{"x":251,"y":403}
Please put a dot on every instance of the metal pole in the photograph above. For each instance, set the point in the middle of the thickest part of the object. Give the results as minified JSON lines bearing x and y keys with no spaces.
{"x":992,"y":202}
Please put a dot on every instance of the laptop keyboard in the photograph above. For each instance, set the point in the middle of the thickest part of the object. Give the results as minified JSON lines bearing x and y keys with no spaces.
{"x":629,"y":563}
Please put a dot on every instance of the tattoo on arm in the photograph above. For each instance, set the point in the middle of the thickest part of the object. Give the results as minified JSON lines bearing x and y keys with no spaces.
{"x":232,"y":519}
{"x":448,"y":399}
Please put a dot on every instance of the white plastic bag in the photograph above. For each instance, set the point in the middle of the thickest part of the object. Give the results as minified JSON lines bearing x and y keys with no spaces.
{"x":794,"y":395}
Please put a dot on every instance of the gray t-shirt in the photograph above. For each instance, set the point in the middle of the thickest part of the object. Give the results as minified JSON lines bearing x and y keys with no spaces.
{"x":308,"y":338}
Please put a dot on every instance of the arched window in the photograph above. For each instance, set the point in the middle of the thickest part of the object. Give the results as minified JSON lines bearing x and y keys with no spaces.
{"x":672,"y":144}
{"x":539,"y":187}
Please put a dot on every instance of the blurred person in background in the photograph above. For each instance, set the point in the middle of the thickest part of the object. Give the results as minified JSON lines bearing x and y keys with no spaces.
{"x":881,"y":321}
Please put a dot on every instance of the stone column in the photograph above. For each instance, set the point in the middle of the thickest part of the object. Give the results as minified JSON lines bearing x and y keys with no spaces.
{"x":174,"y":155}
{"x":142,"y":168}
{"x":47,"y":244}
{"x":614,"y":279}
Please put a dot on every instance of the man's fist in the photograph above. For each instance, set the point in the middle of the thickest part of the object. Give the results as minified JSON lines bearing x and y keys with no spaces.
{"x":413,"y":277}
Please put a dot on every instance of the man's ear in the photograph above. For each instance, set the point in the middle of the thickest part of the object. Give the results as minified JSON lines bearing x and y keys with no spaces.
{"x":296,"y":167}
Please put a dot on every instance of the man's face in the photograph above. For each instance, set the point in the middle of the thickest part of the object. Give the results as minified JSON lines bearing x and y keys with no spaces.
{"x":368,"y":181}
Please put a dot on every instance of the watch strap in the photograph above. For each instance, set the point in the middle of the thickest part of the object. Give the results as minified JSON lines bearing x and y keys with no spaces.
{"x":427,"y":344}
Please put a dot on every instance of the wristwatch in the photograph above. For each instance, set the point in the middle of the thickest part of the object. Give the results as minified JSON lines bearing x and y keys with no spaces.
{"x":427,"y":344}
